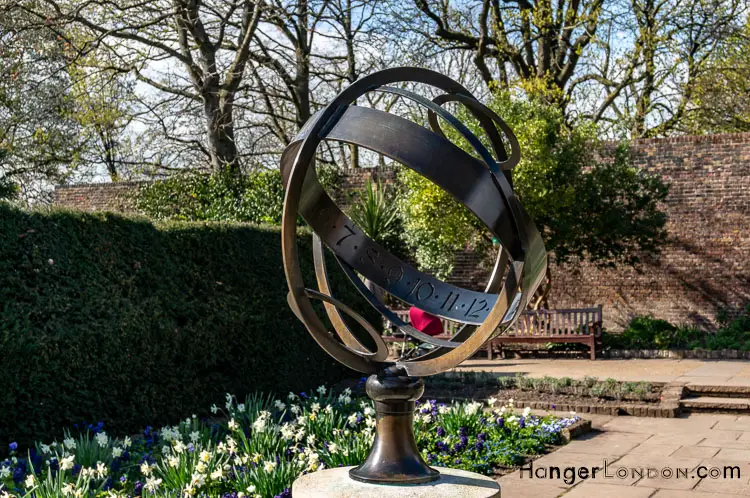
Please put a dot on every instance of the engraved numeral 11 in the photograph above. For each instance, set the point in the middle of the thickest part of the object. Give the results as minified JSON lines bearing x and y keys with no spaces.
{"x":448,"y":299}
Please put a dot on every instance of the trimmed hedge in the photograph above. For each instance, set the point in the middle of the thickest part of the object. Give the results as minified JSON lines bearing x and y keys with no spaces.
{"x":110,"y":318}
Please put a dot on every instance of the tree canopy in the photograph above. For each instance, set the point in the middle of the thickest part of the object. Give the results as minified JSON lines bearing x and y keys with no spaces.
{"x":158,"y":87}
{"x":586,"y":197}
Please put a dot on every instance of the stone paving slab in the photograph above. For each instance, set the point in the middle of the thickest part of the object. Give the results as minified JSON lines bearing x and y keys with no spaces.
{"x":691,"y":380}
{"x":695,"y":452}
{"x":739,"y":424}
{"x":607,"y":449}
{"x":597,"y":490}
{"x":664,"y":450}
{"x":690,"y":439}
{"x":694,"y":442}
{"x":513,"y":487}
{"x":717,"y":486}
{"x":690,"y":442}
{"x":739,"y":455}
{"x":723,"y":443}
{"x":730,"y":465}
{"x":671,"y":493}
{"x":718,"y":369}
{"x":687,"y":371}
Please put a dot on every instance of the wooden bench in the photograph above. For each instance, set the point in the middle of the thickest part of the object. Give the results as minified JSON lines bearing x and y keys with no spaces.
{"x":581,"y":325}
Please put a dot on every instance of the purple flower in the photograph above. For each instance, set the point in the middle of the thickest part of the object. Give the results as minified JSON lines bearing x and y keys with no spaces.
{"x":18,"y":475}
{"x":440,"y":432}
{"x":13,"y":446}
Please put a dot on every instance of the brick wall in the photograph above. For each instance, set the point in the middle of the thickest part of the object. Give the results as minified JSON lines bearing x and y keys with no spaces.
{"x":706,"y":264}
{"x":704,"y":267}
{"x":354,"y":181}
{"x":96,"y":196}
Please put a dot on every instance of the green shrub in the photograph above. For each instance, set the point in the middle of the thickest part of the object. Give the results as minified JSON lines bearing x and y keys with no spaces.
{"x":645,"y":332}
{"x":111,"y":318}
{"x":256,"y":197}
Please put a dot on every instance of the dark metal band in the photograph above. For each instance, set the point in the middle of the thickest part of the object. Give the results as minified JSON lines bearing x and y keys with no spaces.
{"x":492,"y":201}
{"x":476,"y":190}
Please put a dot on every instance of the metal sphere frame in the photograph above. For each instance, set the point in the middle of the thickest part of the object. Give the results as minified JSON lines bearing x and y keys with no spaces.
{"x":481,"y":185}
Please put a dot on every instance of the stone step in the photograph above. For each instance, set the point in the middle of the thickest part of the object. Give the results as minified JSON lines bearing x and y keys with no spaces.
{"x":718,"y":391}
{"x":716,"y":404}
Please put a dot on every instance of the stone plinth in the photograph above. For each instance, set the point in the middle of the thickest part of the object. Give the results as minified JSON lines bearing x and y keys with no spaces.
{"x":453,"y":483}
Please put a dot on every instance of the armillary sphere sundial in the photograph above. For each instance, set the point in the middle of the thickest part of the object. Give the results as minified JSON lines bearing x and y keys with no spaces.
{"x":482,"y":185}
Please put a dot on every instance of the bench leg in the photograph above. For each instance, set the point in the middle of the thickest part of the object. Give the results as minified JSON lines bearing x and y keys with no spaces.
{"x":593,"y":347}
{"x":489,"y":349}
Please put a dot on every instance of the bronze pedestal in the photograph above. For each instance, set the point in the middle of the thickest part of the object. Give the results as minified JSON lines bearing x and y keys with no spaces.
{"x":394,"y":457}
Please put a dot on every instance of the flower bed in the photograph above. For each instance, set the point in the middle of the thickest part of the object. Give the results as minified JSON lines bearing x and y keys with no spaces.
{"x":263,"y":445}
{"x":521,"y":387}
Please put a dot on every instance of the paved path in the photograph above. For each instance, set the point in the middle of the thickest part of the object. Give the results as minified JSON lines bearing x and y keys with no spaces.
{"x":697,"y":372}
{"x":697,"y":444}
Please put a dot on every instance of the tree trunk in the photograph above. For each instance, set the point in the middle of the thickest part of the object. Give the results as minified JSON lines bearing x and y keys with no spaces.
{"x":220,"y":132}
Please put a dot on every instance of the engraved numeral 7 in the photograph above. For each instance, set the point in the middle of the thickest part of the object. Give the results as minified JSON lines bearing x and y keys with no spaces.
{"x":351,"y":232}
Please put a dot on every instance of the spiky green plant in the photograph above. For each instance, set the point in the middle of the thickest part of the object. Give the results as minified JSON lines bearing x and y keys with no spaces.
{"x":375,"y":212}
